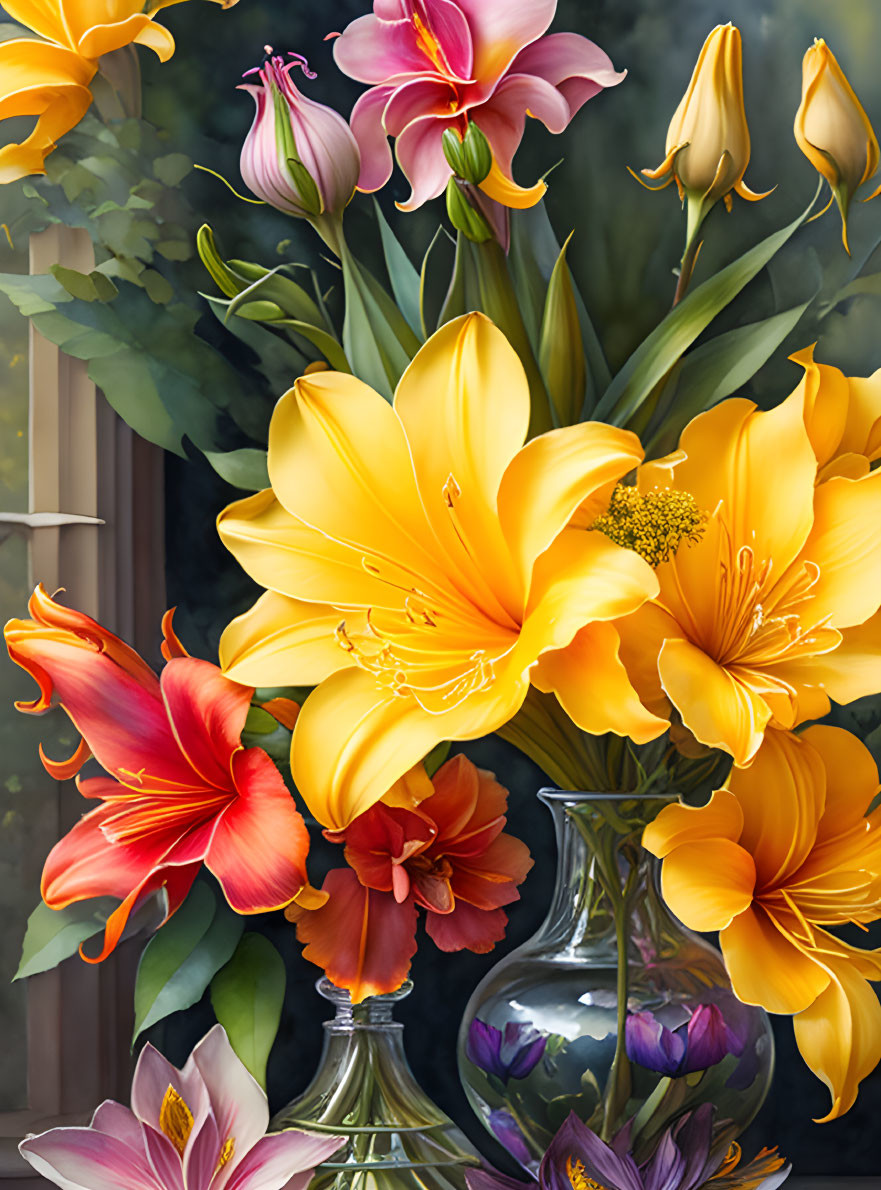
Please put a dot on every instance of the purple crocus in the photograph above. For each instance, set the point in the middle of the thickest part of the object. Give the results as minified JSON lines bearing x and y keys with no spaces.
{"x":512,"y":1054}
{"x":698,"y":1043}
{"x":203,"y":1127}
{"x":686,"y":1157}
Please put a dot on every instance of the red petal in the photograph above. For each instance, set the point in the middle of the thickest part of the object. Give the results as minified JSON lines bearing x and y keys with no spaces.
{"x":364,"y":940}
{"x":171,"y":646}
{"x":259,"y":848}
{"x":467,"y":928}
{"x":177,"y":883}
{"x":468,"y":806}
{"x":207,"y":713}
{"x":62,"y":770}
{"x":381,"y":835}
{"x":490,"y":880}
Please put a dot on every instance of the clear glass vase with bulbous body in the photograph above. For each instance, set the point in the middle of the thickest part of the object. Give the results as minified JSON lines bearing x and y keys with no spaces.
{"x":546,"y":1031}
{"x":364,"y":1090}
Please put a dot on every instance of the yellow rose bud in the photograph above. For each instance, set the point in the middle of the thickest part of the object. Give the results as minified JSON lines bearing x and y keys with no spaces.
{"x":833,"y":130}
{"x":708,"y":145}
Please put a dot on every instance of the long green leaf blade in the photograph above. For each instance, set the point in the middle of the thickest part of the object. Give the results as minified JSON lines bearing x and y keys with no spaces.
{"x":247,"y":996}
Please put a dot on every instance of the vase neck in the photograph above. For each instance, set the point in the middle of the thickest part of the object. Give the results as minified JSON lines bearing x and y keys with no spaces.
{"x":602,"y":869}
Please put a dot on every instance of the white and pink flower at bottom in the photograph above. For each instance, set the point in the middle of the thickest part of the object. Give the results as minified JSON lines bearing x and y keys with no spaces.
{"x":200,"y":1128}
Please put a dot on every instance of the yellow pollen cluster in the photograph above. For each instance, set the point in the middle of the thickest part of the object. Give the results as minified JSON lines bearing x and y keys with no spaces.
{"x":577,"y":1177}
{"x":175,"y":1119}
{"x":654,"y":525}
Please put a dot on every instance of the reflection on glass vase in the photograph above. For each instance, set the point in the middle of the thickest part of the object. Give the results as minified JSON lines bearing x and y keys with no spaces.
{"x":396,"y":1137}
{"x":612,"y":1009}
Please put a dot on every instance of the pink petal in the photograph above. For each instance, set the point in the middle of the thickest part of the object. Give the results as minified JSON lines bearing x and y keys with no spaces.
{"x":368,"y":130}
{"x":374,"y":51}
{"x":114,"y":1119}
{"x":416,"y":99}
{"x":467,"y":928}
{"x":237,"y":1100}
{"x":154,"y":1074}
{"x":447,"y":23}
{"x":575,"y":65}
{"x":207,"y":713}
{"x":500,"y":29}
{"x":272,"y":1161}
{"x":420,"y":154}
{"x":202,"y":1153}
{"x":164,"y":1159}
{"x":259,"y":848}
{"x":80,"y":1159}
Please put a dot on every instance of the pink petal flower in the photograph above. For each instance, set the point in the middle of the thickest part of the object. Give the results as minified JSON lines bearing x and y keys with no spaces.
{"x":81,"y":1159}
{"x":272,"y":1161}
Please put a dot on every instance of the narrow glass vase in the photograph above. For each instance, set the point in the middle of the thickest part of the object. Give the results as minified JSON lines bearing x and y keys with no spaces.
{"x":364,"y":1089}
{"x":546,"y":1031}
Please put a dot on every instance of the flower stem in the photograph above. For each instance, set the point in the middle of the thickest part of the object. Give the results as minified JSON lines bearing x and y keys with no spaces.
{"x":686,"y":268}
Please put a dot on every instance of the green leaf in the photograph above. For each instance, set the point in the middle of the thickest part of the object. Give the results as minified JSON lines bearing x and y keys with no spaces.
{"x":560,"y":348}
{"x":406,"y":285}
{"x":245,"y":468}
{"x":247,"y":996}
{"x":378,"y":342}
{"x":172,"y":169}
{"x":714,"y":371}
{"x":180,"y":960}
{"x":55,"y":934}
{"x":276,"y":358}
{"x":269,"y":285}
{"x":259,"y":722}
{"x":326,"y":344}
{"x":158,"y":289}
{"x":667,"y":343}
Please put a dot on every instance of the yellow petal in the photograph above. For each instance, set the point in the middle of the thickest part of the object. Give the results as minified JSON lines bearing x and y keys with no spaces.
{"x":593,"y":688}
{"x":766,"y":967}
{"x":98,"y":39}
{"x":839,"y":1036}
{"x":824,"y":391}
{"x":355,"y":739}
{"x":285,"y":642}
{"x":642,"y":636}
{"x":282,"y":554}
{"x":43,"y":17}
{"x":862,"y":433}
{"x":761,"y":466}
{"x":848,"y":672}
{"x":719,"y":709}
{"x":552,"y":476}
{"x":505,"y":190}
{"x":706,"y":884}
{"x":583,"y":577}
{"x":43,"y":80}
{"x":845,"y":542}
{"x":851,"y":779}
{"x":464,"y":405}
{"x":720,"y":818}
{"x":782,"y":795}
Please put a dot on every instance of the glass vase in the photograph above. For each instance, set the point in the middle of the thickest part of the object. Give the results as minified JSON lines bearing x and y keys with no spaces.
{"x":396,"y":1137}
{"x":613,"y":1009}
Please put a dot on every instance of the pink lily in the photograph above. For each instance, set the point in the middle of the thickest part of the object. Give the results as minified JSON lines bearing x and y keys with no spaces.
{"x":203,"y":1128}
{"x":438,"y":64}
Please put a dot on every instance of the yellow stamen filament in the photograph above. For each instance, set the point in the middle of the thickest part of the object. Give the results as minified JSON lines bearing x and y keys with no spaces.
{"x":654,"y":525}
{"x":226,"y":1152}
{"x":428,"y":43}
{"x":578,"y":1180}
{"x":175,"y":1119}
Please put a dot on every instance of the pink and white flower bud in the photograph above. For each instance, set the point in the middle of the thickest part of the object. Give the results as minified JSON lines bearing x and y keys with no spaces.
{"x":299,"y":156}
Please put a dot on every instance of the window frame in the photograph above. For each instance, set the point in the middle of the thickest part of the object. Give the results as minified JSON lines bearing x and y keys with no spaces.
{"x":95,"y":527}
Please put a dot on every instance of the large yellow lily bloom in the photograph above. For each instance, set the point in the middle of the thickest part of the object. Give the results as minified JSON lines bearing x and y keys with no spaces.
{"x":50,"y":79}
{"x":785,"y":850}
{"x":418,"y":565}
{"x":770,"y":613}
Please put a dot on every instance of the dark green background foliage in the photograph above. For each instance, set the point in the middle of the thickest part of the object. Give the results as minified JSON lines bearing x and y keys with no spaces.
{"x":626,"y":245}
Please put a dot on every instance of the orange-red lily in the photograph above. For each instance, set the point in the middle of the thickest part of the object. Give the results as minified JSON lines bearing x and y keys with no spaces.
{"x":785,"y":850}
{"x":180,"y":790}
{"x":450,"y":857}
{"x":50,"y":79}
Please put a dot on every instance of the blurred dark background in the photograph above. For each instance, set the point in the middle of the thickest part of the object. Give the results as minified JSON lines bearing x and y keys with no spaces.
{"x":627,"y":243}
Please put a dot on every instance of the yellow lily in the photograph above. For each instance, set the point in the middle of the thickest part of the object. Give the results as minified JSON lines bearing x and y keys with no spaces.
{"x":50,"y":79}
{"x":419,"y":569}
{"x":842,"y":415}
{"x":771,"y":612}
{"x":783,"y":851}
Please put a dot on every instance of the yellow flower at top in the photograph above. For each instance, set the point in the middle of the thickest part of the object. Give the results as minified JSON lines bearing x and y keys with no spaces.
{"x":772,"y":611}
{"x":50,"y":79}
{"x":420,"y":568}
{"x":785,"y":850}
